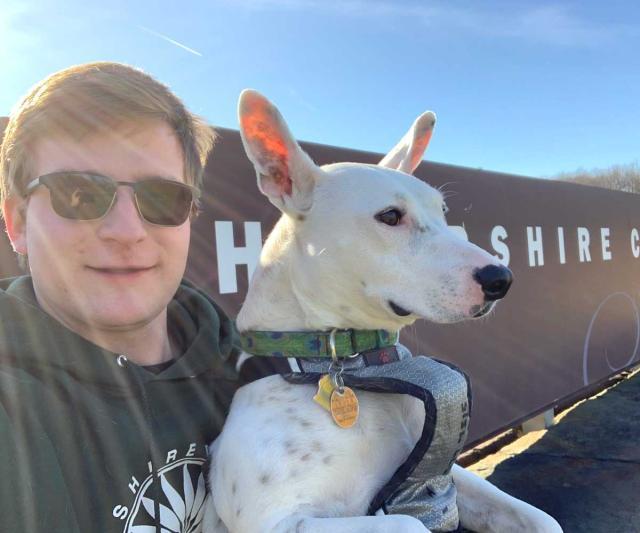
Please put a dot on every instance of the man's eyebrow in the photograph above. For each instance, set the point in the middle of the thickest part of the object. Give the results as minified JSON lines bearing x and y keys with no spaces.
{"x":97,"y":173}
{"x":75,"y":171}
{"x":164,"y":177}
{"x":82,"y":171}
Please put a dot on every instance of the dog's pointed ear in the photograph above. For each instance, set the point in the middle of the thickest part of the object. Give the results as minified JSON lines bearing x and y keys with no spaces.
{"x":407,"y":154}
{"x":286,"y":175}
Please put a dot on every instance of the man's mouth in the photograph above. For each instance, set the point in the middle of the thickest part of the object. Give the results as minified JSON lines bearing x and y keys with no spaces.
{"x":400,"y":311}
{"x":120,"y":270}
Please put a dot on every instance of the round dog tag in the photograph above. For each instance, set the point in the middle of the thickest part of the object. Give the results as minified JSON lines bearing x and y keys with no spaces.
{"x":344,"y":407}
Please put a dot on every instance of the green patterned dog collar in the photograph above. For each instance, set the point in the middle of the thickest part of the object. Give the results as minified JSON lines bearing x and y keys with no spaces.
{"x":347,"y":342}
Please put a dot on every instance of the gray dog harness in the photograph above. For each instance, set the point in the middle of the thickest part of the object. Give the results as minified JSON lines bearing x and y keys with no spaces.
{"x":422,"y":486}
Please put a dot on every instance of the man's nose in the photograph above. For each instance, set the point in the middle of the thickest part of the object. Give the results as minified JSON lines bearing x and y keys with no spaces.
{"x":123,"y":222}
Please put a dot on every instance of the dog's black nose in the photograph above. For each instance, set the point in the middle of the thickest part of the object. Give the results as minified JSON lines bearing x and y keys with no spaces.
{"x":495,"y":281}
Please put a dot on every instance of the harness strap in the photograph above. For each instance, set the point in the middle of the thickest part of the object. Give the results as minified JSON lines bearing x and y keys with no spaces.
{"x":389,"y":385}
{"x":255,"y":368}
{"x":421,"y":486}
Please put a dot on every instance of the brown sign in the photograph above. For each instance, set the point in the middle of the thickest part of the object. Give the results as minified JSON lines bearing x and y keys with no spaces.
{"x":570,"y":320}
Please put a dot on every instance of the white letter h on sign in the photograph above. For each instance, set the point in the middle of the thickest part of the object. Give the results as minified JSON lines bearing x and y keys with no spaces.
{"x":229,"y":255}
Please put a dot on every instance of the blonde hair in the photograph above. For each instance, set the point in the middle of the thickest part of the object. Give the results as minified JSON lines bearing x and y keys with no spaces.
{"x":96,"y":97}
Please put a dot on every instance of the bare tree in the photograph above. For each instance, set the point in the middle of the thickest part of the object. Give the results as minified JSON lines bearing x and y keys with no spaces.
{"x":619,"y":177}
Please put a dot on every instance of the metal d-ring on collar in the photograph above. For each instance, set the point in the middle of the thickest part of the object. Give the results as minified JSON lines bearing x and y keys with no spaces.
{"x":336,"y":368}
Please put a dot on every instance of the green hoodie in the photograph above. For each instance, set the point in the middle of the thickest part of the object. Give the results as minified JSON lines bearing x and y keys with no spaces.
{"x":90,"y":442}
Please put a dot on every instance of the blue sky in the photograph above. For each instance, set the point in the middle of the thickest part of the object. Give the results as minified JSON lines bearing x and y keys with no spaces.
{"x":532,"y":88}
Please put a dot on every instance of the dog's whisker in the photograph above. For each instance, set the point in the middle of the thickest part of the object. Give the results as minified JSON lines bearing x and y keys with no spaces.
{"x":441,"y":188}
{"x":449,"y":194}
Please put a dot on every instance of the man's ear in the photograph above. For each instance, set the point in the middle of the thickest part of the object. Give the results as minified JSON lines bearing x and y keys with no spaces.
{"x":286,"y":175}
{"x":407,"y":154}
{"x":14,"y":210}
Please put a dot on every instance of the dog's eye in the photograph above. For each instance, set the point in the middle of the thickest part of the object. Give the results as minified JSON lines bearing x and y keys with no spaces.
{"x":445,"y":209}
{"x":390,"y":217}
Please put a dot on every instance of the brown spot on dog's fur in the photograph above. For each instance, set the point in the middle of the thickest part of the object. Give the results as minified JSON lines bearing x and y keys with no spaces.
{"x":265,"y":479}
{"x":327,"y":459}
{"x":302,"y":421}
{"x":305,"y":457}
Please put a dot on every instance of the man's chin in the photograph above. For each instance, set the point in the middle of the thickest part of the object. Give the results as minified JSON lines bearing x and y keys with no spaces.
{"x":126,"y":320}
{"x":109,"y":313}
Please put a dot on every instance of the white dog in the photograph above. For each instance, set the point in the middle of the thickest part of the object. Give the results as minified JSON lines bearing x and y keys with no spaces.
{"x":363,"y":247}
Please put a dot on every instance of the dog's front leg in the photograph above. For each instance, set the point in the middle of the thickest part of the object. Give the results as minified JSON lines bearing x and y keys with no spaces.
{"x":485,"y":508}
{"x":299,"y":523}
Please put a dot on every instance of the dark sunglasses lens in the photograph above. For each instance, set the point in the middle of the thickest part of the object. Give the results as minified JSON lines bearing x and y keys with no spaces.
{"x":80,"y":197}
{"x":164,"y":202}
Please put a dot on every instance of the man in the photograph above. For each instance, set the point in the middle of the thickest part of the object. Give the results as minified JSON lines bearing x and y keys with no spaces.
{"x":114,"y":373}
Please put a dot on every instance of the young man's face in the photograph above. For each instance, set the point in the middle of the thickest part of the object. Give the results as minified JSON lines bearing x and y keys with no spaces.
{"x":117,"y":273}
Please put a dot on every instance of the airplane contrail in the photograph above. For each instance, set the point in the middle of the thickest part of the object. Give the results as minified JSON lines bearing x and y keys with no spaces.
{"x":172,"y":41}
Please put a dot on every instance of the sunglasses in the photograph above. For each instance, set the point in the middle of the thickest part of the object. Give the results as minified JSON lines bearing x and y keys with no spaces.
{"x":86,"y":196}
